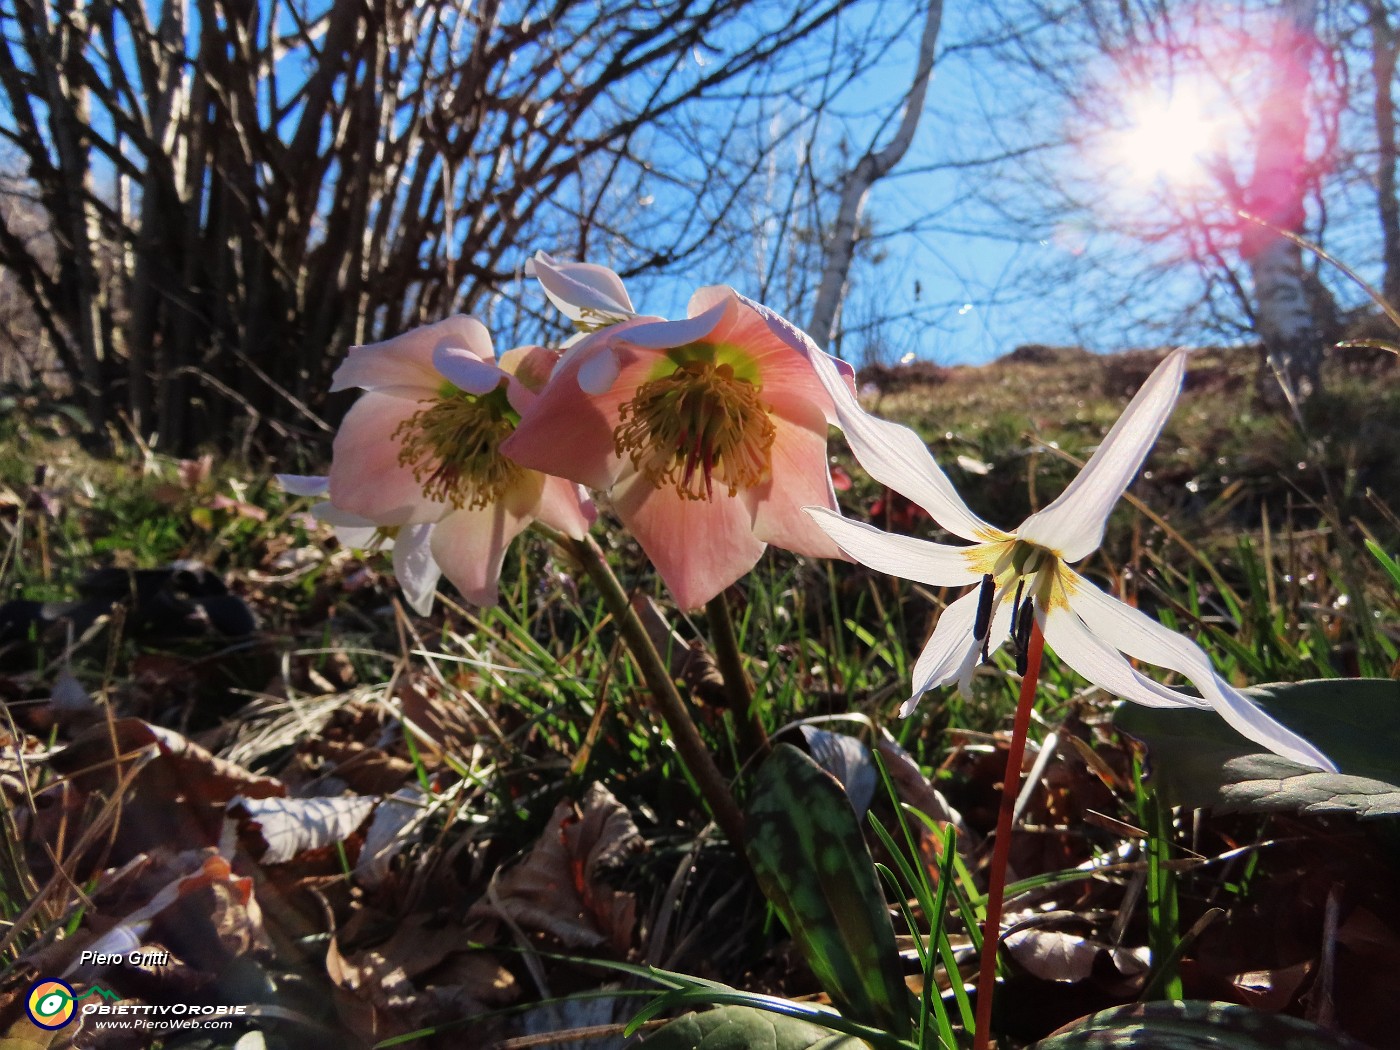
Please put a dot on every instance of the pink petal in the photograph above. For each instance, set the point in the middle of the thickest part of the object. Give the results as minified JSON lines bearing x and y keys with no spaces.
{"x":469,"y":545}
{"x":466,"y":371}
{"x":798,"y":479}
{"x":565,"y":506}
{"x":406,"y":361}
{"x":786,"y":359}
{"x":569,"y":433}
{"x":365,"y":476}
{"x":531,"y":365}
{"x":698,"y":547}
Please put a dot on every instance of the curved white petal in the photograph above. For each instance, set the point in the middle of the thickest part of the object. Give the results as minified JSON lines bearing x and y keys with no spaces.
{"x":415,"y":568}
{"x":341,"y":519}
{"x":663,"y":335}
{"x":597,"y":374}
{"x":1103,"y":665}
{"x":362,"y":537}
{"x":998,"y":630}
{"x":304,"y":484}
{"x":923,"y":561}
{"x":464,"y":370}
{"x":1140,"y":636}
{"x":943,"y":654}
{"x":896,"y":456}
{"x":1073,"y":525}
{"x":581,"y":289}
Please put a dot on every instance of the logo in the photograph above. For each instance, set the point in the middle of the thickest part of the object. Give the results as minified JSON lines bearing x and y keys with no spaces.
{"x":51,"y":1003}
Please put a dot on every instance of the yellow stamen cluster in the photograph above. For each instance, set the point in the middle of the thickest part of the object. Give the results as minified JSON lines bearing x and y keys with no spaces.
{"x":453,"y":447}
{"x":697,"y":425}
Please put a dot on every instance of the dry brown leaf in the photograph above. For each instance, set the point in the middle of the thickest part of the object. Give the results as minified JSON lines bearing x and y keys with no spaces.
{"x":398,"y":822}
{"x":1271,"y":990}
{"x":1060,"y":955}
{"x":558,"y":889}
{"x":423,"y":974}
{"x":289,"y":826}
{"x":914,"y":788}
{"x":201,"y":776}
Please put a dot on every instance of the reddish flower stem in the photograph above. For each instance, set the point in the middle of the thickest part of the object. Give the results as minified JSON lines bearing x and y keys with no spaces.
{"x":1001,"y":849}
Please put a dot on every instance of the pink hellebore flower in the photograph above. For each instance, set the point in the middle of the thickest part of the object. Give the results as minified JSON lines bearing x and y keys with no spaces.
{"x":709,"y":432}
{"x":419,"y":455}
{"x":1027,"y":571}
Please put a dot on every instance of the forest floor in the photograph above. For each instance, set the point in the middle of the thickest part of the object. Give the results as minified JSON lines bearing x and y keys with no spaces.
{"x":228,"y":746}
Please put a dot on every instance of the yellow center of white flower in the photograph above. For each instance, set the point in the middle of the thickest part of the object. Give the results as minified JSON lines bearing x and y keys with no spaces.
{"x":453,"y":446}
{"x":697,"y":425}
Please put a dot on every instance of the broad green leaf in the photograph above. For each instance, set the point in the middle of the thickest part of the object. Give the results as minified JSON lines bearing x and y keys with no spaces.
{"x":1193,"y":1026}
{"x":1197,"y":760}
{"x":813,"y":865}
{"x":746,"y":1028}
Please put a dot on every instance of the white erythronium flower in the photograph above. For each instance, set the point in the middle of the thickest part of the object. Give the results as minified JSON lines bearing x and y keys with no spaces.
{"x":1028,"y":568}
{"x":414,"y":566}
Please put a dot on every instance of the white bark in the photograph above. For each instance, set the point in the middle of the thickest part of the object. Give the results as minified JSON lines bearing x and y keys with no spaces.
{"x":1284,"y":316}
{"x":870,"y":169}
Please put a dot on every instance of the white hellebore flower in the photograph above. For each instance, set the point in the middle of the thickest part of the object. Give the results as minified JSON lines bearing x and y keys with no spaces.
{"x":414,"y":565}
{"x":1029,"y":568}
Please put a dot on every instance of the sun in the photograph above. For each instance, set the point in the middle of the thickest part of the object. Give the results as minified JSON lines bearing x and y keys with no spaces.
{"x":1170,"y":136}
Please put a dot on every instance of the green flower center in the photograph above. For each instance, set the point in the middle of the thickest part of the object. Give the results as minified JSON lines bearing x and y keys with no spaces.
{"x":453,"y":446}
{"x":698,"y":425}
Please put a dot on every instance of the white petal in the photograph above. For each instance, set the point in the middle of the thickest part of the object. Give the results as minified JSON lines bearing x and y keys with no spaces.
{"x":599,"y":372}
{"x":341,"y":519}
{"x":1140,"y":636}
{"x":1073,"y":525}
{"x":896,"y":456}
{"x":579,"y":288}
{"x":947,"y":648}
{"x":936,"y":564}
{"x":663,"y":335}
{"x":464,"y":370}
{"x":304,"y":484}
{"x":361,"y":537}
{"x":1103,"y":665}
{"x":351,"y":530}
{"x":415,"y":567}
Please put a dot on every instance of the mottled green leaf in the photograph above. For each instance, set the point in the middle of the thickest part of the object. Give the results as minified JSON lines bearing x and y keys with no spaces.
{"x":745,"y":1028}
{"x":1198,"y":760}
{"x":811,"y":860}
{"x":1193,"y":1026}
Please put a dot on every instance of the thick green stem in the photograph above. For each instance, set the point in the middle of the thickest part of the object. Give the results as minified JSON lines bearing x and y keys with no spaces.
{"x":753,"y":738}
{"x":1001,"y":850}
{"x":693,"y":752}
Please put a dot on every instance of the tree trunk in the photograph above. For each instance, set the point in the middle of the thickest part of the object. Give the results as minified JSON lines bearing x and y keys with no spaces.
{"x":872,"y":167}
{"x":1383,"y":52}
{"x":1284,"y":316}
